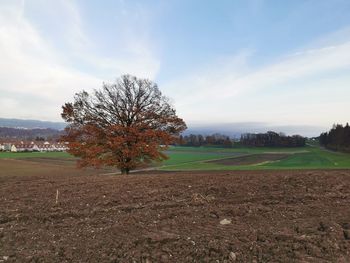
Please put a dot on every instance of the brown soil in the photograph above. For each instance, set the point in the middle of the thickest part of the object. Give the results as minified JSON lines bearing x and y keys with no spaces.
{"x":251,"y":159}
{"x":276,"y":216}
{"x":36,"y":167}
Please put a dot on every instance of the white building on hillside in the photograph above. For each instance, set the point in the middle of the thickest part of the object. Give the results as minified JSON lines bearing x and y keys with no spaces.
{"x":34,"y":147}
{"x":45,"y":148}
{"x":60,"y":147}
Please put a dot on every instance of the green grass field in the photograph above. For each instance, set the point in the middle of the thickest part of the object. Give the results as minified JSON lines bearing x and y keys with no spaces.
{"x":309,"y":157}
{"x":207,"y":158}
{"x":10,"y":155}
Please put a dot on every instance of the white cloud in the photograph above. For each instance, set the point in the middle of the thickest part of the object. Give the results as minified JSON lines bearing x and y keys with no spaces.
{"x":233,"y":91}
{"x":43,"y":65}
{"x":36,"y":76}
{"x":30,"y":66}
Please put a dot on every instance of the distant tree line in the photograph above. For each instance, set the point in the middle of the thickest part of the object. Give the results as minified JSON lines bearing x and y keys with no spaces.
{"x":272,"y":139}
{"x":338,"y":138}
{"x":196,"y":140}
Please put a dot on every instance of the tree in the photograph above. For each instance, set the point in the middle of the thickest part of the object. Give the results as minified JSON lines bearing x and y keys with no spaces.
{"x":338,"y":138}
{"x":272,"y":139}
{"x":125,"y":124}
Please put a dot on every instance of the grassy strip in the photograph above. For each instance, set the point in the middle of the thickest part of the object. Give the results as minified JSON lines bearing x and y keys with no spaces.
{"x":20,"y":155}
{"x":195,"y":158}
{"x":305,"y":158}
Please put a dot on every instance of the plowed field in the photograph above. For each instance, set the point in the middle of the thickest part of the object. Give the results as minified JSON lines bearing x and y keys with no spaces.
{"x":269,"y":216}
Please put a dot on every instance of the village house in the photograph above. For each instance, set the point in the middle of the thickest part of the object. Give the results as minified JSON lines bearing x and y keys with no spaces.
{"x":60,"y":146}
{"x":6,"y":146}
{"x":22,"y":147}
{"x":45,"y":147}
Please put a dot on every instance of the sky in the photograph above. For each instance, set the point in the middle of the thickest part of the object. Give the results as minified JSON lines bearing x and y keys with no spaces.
{"x":277,"y":63}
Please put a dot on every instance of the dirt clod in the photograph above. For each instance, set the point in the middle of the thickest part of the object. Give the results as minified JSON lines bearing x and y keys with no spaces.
{"x":232,"y":256}
{"x":225,"y":222}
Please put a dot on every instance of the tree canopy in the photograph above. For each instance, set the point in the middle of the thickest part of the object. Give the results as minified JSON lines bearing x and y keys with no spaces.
{"x":125,"y":124}
{"x":338,"y":138}
{"x":272,"y":139}
{"x":197,"y":140}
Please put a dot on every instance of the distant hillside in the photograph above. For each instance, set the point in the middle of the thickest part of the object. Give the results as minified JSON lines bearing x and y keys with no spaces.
{"x":234,"y":130}
{"x":31,"y":124}
{"x":29,"y":134}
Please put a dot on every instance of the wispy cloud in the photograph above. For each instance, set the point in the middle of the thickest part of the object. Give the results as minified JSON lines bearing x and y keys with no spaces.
{"x":225,"y":92}
{"x":38,"y":75}
{"x":30,"y":68}
{"x":51,"y":49}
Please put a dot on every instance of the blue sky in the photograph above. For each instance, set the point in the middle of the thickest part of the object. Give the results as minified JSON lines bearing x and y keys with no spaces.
{"x":273,"y":62}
